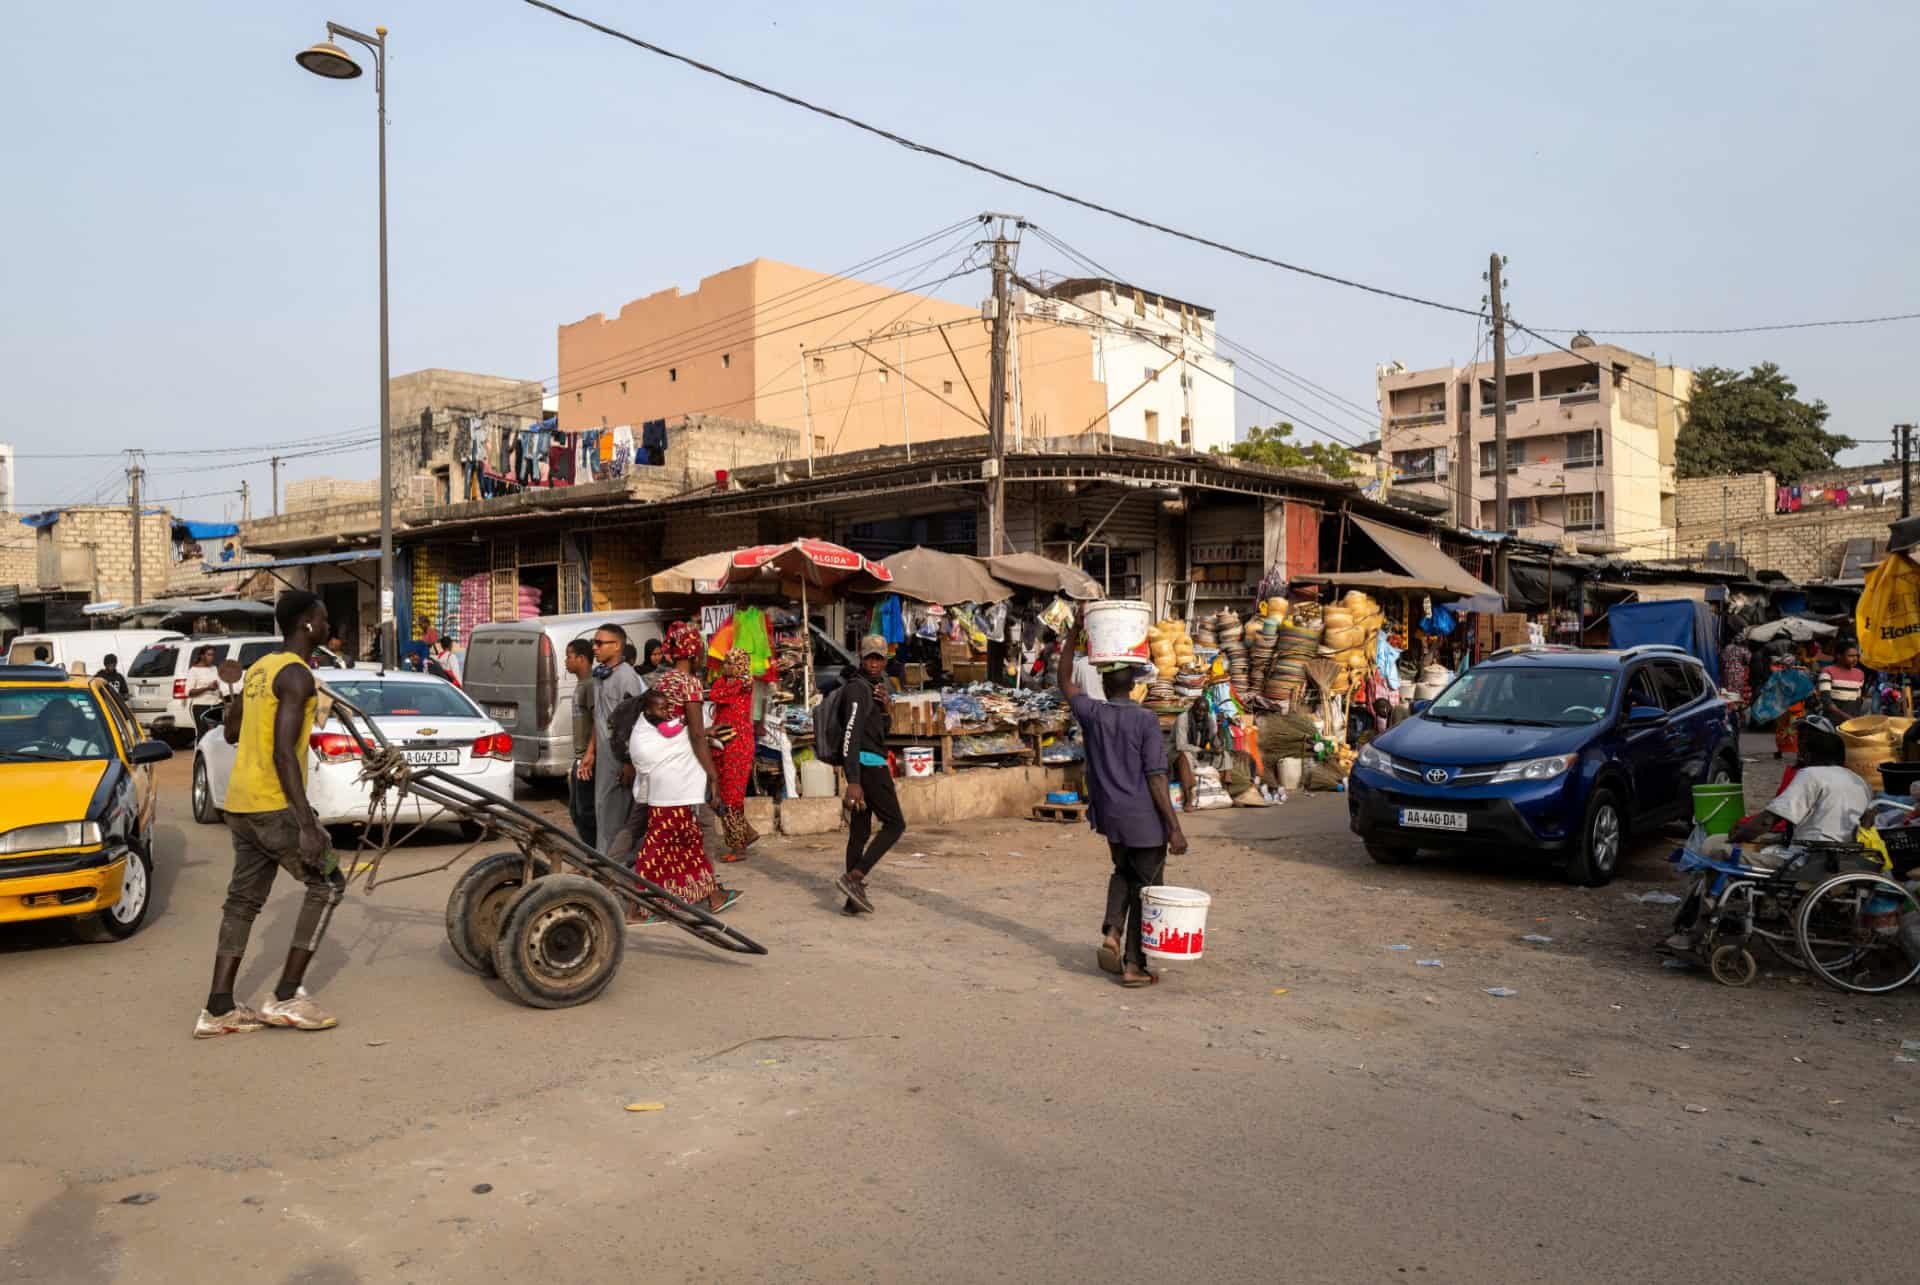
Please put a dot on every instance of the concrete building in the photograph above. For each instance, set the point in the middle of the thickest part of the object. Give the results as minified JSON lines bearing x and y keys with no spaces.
{"x":1724,"y":522}
{"x":1590,"y":444}
{"x":1152,"y":354}
{"x":858,"y":365}
{"x":432,"y":410}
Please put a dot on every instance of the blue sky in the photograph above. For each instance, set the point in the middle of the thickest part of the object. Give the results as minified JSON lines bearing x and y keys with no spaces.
{"x":192,"y":245}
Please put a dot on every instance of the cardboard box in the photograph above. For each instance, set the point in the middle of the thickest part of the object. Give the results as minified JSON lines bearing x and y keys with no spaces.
{"x":955,"y":652}
{"x":916,"y":675}
{"x":973,"y":671}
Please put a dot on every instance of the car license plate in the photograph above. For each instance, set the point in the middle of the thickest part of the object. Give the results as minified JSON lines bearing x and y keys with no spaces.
{"x":505,"y":715}
{"x":1422,"y":819}
{"x":431,"y":758}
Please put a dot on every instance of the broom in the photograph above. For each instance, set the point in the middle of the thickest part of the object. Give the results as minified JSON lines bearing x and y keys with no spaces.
{"x":1321,"y":672}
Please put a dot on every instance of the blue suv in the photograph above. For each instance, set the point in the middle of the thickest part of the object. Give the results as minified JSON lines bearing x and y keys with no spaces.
{"x":1557,"y":750}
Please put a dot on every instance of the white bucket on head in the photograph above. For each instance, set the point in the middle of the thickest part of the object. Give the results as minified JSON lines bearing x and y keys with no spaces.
{"x":919,"y":760}
{"x":1173,"y":922}
{"x":1117,"y":631}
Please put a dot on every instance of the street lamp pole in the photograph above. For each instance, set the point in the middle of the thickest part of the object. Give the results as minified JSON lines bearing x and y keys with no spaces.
{"x":329,"y":60}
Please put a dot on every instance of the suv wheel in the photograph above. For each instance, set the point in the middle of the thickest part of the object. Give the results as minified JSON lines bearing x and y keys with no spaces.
{"x":1723,"y":772}
{"x":1597,"y":858}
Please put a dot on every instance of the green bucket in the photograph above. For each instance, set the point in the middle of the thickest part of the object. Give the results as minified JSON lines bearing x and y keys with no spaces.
{"x":1717,"y":807}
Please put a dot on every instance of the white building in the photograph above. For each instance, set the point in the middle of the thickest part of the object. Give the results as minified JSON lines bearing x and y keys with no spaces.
{"x":1153,"y":353}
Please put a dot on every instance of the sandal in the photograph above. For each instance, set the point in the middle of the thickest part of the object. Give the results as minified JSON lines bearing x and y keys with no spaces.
{"x":1135,"y":983}
{"x":731,"y":857}
{"x":647,"y":920}
{"x":733,"y":895}
{"x":1108,"y":958}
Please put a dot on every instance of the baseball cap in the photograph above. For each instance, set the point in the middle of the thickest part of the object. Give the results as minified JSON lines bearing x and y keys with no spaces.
{"x":873,"y":645}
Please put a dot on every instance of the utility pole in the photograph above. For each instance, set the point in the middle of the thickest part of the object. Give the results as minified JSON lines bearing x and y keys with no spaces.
{"x":1494,"y":265}
{"x":1723,"y":510}
{"x":275,"y":461}
{"x":995,"y":471}
{"x":1905,"y":433}
{"x":906,"y":432}
{"x":246,"y":505}
{"x":134,"y":474}
{"x":806,"y":408}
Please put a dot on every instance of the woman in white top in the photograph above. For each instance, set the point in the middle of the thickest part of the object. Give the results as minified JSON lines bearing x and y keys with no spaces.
{"x":673,"y":782}
{"x":203,"y":686}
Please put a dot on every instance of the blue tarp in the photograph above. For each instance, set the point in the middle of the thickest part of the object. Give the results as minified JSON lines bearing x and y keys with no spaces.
{"x":206,"y":530}
{"x":1681,"y":622}
{"x":36,"y":520}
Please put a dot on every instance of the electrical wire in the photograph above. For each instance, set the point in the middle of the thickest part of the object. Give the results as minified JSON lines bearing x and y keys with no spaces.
{"x":1729,"y":330}
{"x":982,"y":168}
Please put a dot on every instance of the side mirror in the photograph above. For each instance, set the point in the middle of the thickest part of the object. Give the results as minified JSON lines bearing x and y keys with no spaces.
{"x":1645,"y":716}
{"x":1419,"y":707}
{"x":145,"y":752}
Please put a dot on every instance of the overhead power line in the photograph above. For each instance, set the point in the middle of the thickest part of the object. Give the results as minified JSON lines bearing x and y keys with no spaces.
{"x":989,"y":170}
{"x":1728,"y":330}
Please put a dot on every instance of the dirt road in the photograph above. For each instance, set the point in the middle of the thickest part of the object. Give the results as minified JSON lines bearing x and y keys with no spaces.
{"x":948,"y":1090}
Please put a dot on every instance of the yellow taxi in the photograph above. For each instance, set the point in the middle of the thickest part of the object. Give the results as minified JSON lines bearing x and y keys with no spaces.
{"x":77,"y":795}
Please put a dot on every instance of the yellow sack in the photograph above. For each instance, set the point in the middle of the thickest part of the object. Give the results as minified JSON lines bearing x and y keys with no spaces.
{"x":1869,"y":838}
{"x":1888,"y":617}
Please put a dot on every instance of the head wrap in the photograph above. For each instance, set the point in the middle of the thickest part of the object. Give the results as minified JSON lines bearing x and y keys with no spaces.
{"x":682,"y":641}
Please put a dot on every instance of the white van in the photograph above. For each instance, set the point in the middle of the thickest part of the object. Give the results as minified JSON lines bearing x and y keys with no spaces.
{"x":86,"y":647}
{"x":516,"y":671}
{"x":157,"y":677}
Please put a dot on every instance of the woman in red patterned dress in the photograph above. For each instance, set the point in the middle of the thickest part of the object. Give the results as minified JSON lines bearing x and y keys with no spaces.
{"x":673,"y":854}
{"x":732,"y":697}
{"x":676,"y":681}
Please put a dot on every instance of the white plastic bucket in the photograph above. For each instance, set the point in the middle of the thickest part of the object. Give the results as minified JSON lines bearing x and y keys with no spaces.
{"x":1291,"y":773}
{"x":816,"y":780}
{"x":919,"y":760}
{"x":1117,"y":631}
{"x":1173,"y":922}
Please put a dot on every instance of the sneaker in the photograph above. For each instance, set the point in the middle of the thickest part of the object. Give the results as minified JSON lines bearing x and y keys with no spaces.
{"x":237,"y":1021}
{"x":300,"y":1013}
{"x":856,"y":891}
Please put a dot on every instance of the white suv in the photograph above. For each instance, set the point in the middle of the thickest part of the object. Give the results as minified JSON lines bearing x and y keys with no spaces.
{"x":157,"y":678}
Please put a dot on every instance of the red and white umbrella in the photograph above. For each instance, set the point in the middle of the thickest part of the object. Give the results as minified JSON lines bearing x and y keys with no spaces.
{"x":817,"y":564}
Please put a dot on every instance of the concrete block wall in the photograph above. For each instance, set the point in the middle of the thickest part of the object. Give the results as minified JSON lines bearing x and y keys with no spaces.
{"x":701,"y":444}
{"x":1698,"y":506}
{"x":105,"y":533}
{"x":327,"y":492}
{"x":1802,"y":546}
{"x":19,"y":564}
{"x":1888,"y":471}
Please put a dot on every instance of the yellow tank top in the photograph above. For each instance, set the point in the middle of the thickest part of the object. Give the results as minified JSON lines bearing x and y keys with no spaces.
{"x":254,"y":785}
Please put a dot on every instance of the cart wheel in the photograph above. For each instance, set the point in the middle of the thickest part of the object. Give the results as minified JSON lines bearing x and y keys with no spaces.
{"x":1734,"y":965}
{"x":477,"y":906}
{"x":560,"y":941}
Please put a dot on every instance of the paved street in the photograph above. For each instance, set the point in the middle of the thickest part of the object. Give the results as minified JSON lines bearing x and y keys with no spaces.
{"x":948,"y":1090}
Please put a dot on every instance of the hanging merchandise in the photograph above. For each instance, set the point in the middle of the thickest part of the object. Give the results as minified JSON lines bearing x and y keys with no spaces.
{"x":1888,"y":617}
{"x":1439,"y":621}
{"x":1386,"y":657}
{"x":1058,"y":615}
{"x":750,"y":636}
{"x":993,"y":621}
{"x":888,"y":621}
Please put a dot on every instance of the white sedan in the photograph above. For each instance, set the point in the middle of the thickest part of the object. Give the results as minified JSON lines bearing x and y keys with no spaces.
{"x":431,"y":721}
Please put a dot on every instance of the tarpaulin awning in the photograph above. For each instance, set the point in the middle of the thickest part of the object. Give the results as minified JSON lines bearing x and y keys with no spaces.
{"x":696,"y":575}
{"x":38,"y":520}
{"x":189,"y":608}
{"x":206,"y":530}
{"x":1422,"y":561}
{"x":274,"y":564}
{"x":1372,"y":580}
{"x":1031,"y":571}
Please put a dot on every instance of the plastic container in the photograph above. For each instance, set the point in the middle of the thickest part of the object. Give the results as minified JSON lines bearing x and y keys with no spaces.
{"x":816,"y":780}
{"x":1717,"y":807}
{"x":1117,"y":630}
{"x":1291,"y":771}
{"x":919,"y":760}
{"x":1173,"y":922}
{"x":1898,"y":779}
{"x":1063,"y":796}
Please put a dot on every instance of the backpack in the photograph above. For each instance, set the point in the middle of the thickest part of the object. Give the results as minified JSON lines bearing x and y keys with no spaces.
{"x":830,"y":719}
{"x":620,"y":728}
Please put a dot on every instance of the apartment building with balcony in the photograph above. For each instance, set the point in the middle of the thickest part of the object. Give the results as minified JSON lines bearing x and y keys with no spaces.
{"x":1590,"y":444}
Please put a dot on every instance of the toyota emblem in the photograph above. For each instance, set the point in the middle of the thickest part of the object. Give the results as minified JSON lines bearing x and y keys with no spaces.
{"x":1436,"y":776}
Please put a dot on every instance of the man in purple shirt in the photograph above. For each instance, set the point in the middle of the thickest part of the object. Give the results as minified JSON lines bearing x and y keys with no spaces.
{"x":1128,"y":805}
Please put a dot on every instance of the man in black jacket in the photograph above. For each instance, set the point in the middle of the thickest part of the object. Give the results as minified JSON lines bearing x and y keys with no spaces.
{"x":869,"y":784}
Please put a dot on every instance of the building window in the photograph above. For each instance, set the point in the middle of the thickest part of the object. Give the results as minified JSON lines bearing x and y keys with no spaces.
{"x":623,"y":388}
{"x":946,"y":386}
{"x":578,"y":398}
{"x":1520,"y":512}
{"x":1583,"y":449}
{"x":1186,"y":430}
{"x":1153,"y":426}
{"x":1420,"y":466}
{"x":1516,"y":456}
{"x":882,"y":375}
{"x":1582,"y":513}
{"x":726,"y":361}
{"x":673,"y":374}
{"x":819,"y":365}
{"x":1152,"y":373}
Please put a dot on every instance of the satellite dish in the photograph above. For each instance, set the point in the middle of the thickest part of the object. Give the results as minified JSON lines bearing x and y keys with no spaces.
{"x":1581,"y":340}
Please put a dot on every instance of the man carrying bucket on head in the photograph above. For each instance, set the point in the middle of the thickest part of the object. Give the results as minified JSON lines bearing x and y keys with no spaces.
{"x":1126,"y":772}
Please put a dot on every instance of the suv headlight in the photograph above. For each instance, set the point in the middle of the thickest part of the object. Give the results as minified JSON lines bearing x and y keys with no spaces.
{"x":58,"y":834}
{"x":1378,"y":760}
{"x":1533,"y":769}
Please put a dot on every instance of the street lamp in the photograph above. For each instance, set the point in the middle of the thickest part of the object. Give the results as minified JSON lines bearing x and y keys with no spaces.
{"x":329,"y":60}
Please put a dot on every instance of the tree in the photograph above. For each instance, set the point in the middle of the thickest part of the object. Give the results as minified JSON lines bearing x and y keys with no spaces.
{"x":1748,"y":423}
{"x":1270,"y":448}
